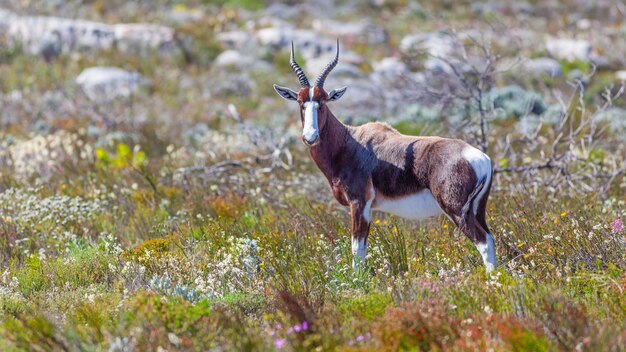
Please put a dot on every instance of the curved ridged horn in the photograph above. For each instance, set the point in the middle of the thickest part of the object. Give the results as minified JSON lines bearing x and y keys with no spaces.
{"x":304,"y":82}
{"x":322,"y":77}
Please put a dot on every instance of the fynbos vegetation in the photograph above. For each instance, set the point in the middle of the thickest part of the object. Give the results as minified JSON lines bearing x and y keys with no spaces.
{"x":155,"y":193}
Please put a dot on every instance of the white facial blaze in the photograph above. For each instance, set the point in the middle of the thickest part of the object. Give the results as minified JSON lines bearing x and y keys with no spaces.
{"x":310,"y":132}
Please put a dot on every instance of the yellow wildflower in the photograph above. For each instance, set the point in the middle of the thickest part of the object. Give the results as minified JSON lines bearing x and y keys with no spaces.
{"x":377,"y":222}
{"x":563,"y":214}
{"x":180,"y":8}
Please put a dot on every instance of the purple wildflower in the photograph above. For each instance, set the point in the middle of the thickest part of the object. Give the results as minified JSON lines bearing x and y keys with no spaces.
{"x":305,"y":325}
{"x":290,"y":330}
{"x":360,"y":338}
{"x":297,"y":328}
{"x":617,"y":226}
{"x":278,"y":326}
{"x":279,"y":343}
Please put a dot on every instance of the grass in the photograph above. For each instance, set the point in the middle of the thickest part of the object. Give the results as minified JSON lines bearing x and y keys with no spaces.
{"x":559,"y":286}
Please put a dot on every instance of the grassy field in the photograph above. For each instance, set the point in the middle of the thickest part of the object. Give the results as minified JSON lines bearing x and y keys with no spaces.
{"x":166,"y":221}
{"x":135,"y":267}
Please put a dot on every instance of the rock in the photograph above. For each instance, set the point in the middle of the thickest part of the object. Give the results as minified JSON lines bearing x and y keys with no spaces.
{"x":232,"y":58}
{"x":315,"y":9}
{"x":515,"y":8}
{"x":621,"y":75}
{"x":231,"y":84}
{"x":51,"y":36}
{"x":395,"y":85}
{"x":235,"y":39}
{"x":106,"y":83}
{"x":437,"y":65}
{"x":390,"y":65}
{"x":363,"y":31}
{"x":237,"y":59}
{"x":583,"y":23}
{"x":174,"y":340}
{"x":278,"y":37}
{"x":308,"y":43}
{"x":604,"y":63}
{"x":529,"y":123}
{"x":347,"y":66}
{"x":347,"y":57}
{"x":282,"y":11}
{"x":543,"y":67}
{"x":141,"y":37}
{"x":5,"y":20}
{"x":342,"y":69}
{"x":437,"y":44}
{"x":361,"y":103}
{"x":569,"y":49}
{"x":614,"y":117}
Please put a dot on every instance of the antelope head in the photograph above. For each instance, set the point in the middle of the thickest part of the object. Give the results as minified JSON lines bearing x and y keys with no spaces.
{"x":312,"y":100}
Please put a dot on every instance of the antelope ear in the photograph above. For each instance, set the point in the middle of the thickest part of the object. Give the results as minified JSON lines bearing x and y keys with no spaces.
{"x":286,"y":93}
{"x":335,"y":94}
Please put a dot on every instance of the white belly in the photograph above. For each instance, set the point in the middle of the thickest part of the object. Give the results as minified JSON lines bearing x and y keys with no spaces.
{"x":415,"y":207}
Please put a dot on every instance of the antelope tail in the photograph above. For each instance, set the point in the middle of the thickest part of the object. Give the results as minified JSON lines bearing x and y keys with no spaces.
{"x":466,"y":211}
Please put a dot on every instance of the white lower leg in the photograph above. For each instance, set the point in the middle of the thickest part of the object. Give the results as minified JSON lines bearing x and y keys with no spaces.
{"x":359,"y":249}
{"x":488,"y":252}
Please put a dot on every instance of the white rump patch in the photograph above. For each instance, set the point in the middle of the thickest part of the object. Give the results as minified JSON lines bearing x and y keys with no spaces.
{"x":417,"y":206}
{"x":482,"y":167}
{"x":488,"y":252}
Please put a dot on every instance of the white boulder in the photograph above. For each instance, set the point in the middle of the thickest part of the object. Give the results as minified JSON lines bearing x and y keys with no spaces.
{"x":437,"y":44}
{"x":543,"y":66}
{"x":308,"y":43}
{"x":569,"y":49}
{"x":360,"y":31}
{"x":51,"y":36}
{"x":102,"y":83}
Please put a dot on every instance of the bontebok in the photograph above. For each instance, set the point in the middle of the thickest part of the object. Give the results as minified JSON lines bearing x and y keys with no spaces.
{"x":374,"y":167}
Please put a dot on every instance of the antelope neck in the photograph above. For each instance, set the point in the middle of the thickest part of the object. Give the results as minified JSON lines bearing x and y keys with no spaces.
{"x":333,"y":136}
